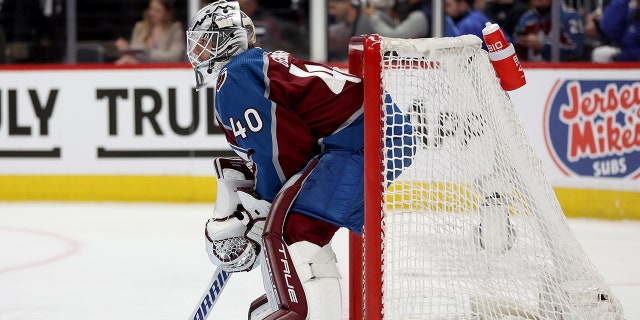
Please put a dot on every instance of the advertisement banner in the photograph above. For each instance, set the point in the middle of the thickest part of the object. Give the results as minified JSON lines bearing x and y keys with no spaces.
{"x":106,"y":121}
{"x":585,"y":125}
{"x":123,"y":133}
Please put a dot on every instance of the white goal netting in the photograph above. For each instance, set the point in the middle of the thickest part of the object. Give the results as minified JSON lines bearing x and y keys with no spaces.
{"x":472,"y":228}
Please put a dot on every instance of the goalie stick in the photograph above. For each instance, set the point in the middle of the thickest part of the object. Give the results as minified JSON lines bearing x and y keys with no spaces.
{"x":209,"y":298}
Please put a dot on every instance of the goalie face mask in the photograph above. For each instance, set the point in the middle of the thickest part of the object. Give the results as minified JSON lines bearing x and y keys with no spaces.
{"x":217,"y":33}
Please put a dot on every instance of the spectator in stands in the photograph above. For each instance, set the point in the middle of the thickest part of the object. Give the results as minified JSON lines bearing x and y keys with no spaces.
{"x":620,"y":23}
{"x":157,"y":38}
{"x":26,"y":31}
{"x":268,"y":28}
{"x":3,"y":47}
{"x":596,"y":47}
{"x":22,"y":20}
{"x":506,"y":13}
{"x":345,"y":16}
{"x":450,"y":29}
{"x":533,"y":41}
{"x":466,"y":18}
{"x":480,"y":5}
{"x":398,"y":19}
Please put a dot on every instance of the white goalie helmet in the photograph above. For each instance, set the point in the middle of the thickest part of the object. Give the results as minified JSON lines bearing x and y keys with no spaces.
{"x":218,"y":32}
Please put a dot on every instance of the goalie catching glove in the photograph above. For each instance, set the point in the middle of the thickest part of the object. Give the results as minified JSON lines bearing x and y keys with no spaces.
{"x":233,"y":234}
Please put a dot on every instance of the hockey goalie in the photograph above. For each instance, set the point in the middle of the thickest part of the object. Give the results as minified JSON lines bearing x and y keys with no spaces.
{"x":297,"y":127}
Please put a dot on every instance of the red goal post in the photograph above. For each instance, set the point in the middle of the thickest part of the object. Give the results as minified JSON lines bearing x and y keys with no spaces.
{"x":372,"y":168}
{"x":471,"y":229}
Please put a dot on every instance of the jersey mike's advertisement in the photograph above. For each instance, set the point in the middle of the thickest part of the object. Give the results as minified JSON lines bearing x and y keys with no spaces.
{"x":593,"y":128}
{"x":85,"y":126}
{"x":585,"y":125}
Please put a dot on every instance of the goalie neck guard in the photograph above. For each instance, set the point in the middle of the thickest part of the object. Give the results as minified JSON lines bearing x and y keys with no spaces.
{"x":217,"y":33}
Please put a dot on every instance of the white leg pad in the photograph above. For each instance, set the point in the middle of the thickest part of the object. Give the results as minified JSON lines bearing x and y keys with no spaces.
{"x":320,"y":277}
{"x":272,"y":298}
{"x":261,"y":311}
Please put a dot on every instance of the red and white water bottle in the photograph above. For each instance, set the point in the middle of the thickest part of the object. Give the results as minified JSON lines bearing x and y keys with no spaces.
{"x":503,"y":57}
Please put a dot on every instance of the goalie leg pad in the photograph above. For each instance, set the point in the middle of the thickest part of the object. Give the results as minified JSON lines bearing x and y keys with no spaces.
{"x":312,"y":284}
{"x":319,"y":274}
{"x":282,"y":277}
{"x":282,"y":281}
{"x":259,"y":308}
{"x":300,"y":269}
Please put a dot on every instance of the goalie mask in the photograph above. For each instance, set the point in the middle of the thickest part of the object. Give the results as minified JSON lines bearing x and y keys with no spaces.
{"x":217,"y":33}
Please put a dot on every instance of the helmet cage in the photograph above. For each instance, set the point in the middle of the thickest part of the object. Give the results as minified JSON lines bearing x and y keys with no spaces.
{"x":217,"y":33}
{"x":214,"y":46}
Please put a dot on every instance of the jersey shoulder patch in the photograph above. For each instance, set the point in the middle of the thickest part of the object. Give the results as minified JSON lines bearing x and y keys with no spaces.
{"x":280,"y":57}
{"x":221,"y":78}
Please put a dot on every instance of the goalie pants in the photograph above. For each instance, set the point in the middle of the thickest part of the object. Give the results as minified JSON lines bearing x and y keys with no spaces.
{"x":333,"y":191}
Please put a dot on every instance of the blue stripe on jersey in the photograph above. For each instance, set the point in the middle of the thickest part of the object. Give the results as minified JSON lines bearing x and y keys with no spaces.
{"x":243,"y":106}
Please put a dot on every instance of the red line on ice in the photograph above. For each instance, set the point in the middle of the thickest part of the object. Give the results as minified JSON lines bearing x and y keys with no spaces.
{"x":72,"y":248}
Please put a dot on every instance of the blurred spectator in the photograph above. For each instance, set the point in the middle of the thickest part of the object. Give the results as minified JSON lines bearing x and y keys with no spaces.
{"x":31,"y":36}
{"x":345,"y":15}
{"x":592,"y":24}
{"x":157,"y":38}
{"x":506,"y":13}
{"x":22,"y":20}
{"x":268,"y":28}
{"x":363,"y":24}
{"x":450,"y":29}
{"x":594,"y":39}
{"x":533,"y":42}
{"x":396,"y":18}
{"x":466,"y":18}
{"x":3,"y":47}
{"x":620,"y":23}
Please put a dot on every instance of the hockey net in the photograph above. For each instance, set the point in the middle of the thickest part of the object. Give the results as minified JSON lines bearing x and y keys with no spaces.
{"x":471,"y":229}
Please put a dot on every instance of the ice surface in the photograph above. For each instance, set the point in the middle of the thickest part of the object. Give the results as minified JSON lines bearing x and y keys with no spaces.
{"x":120,"y":261}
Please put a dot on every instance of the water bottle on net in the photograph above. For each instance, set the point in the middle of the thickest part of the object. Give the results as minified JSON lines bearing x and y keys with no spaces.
{"x":503,"y":58}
